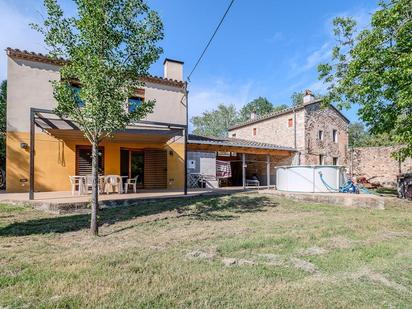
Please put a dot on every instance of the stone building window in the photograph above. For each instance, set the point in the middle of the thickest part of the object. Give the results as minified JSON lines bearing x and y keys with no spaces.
{"x":290,"y":122}
{"x":335,"y":161}
{"x":335,"y":136}
{"x":233,"y":134}
{"x":320,"y":135}
{"x":254,"y":131}
{"x":321,"y":159}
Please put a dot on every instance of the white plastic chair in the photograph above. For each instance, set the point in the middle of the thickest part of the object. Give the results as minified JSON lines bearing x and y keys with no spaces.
{"x":88,"y":183}
{"x":77,"y":181}
{"x":131,"y":182}
{"x":114,"y":183}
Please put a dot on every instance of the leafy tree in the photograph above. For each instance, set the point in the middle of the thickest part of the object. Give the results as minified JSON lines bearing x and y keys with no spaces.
{"x":360,"y":137}
{"x":372,"y":67}
{"x":109,"y":45}
{"x":278,"y":108}
{"x":3,"y":124}
{"x":259,"y":106}
{"x":297,"y":97}
{"x":357,"y":134}
{"x":216,"y":122}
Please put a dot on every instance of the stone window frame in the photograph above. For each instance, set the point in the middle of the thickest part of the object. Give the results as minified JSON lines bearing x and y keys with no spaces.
{"x":321,"y":159}
{"x":335,"y":161}
{"x":254,"y":131}
{"x":321,"y":135}
{"x":290,"y":122}
{"x":335,"y":135}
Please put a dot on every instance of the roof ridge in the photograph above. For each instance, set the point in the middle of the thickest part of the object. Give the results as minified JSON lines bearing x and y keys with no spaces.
{"x":282,"y":112}
{"x":266,"y":116}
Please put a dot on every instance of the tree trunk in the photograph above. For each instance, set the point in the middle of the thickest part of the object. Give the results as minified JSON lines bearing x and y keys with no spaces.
{"x":94,"y":229}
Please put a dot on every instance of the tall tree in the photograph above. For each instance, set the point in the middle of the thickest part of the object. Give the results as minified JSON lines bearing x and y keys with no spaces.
{"x":109,"y":45}
{"x":216,"y":122}
{"x":259,"y":106}
{"x":278,"y":108}
{"x":372,"y":67}
{"x":297,"y":97}
{"x":361,"y":137}
{"x":3,"y":123}
{"x":357,"y":134}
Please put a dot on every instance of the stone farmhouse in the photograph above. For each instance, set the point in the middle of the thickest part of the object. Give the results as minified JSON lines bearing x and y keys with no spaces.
{"x":320,"y":135}
{"x":45,"y":152}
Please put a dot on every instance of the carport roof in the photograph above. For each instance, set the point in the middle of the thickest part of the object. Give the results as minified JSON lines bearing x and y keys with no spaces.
{"x":235,"y":143}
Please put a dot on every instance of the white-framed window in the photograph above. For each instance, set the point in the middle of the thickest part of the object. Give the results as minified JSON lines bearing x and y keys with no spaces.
{"x":335,"y":161}
{"x":335,"y":136}
{"x":321,"y":159}
{"x":320,"y":135}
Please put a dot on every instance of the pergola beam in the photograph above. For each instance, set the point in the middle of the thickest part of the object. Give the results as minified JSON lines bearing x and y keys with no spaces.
{"x":36,"y":113}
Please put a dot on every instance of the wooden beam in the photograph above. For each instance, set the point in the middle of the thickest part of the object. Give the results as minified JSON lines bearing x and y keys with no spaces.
{"x":243,"y":170}
{"x":268,"y":171}
{"x":246,"y":150}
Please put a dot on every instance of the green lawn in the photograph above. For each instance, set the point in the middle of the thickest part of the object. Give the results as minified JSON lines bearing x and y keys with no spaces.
{"x":243,"y":250}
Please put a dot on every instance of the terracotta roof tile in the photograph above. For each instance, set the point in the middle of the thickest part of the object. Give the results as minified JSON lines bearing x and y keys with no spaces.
{"x":234,"y":142}
{"x":39,"y":57}
{"x":283,"y":112}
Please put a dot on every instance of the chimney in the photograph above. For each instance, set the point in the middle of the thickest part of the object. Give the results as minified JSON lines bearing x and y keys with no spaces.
{"x":253,"y":115}
{"x":173,"y":69}
{"x":308,"y":97}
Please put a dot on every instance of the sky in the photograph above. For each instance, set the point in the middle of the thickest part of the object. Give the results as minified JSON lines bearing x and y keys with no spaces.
{"x":268,"y":48}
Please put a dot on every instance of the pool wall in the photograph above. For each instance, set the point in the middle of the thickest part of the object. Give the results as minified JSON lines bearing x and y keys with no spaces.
{"x":306,"y":178}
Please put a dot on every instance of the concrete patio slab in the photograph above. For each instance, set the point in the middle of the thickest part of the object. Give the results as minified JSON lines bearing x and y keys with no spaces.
{"x":64,"y":202}
{"x":344,"y":199}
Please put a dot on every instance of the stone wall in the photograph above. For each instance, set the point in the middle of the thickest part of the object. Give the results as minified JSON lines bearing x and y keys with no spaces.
{"x":275,"y":130}
{"x":377,"y":164}
{"x":325,"y":120}
{"x":309,"y":120}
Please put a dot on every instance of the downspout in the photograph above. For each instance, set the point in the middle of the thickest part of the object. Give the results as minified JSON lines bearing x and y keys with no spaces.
{"x":294,"y":126}
{"x":295,"y":133}
{"x":186,"y":136}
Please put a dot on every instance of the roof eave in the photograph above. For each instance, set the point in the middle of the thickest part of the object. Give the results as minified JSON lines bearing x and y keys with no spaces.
{"x":38,"y":57}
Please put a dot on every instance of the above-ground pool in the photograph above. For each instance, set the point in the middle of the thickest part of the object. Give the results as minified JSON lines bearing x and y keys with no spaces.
{"x":307,"y":178}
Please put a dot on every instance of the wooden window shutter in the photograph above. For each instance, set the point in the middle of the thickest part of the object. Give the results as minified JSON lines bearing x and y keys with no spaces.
{"x":155,"y":169}
{"x":84,"y":160}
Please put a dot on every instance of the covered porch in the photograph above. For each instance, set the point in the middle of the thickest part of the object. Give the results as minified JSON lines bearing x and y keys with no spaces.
{"x":152,"y":153}
{"x":233,"y":162}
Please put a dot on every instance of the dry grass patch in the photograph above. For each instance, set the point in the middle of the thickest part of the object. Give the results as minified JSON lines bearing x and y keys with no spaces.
{"x":242,"y":250}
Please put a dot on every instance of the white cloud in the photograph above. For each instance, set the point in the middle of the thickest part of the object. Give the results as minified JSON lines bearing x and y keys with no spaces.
{"x":277,"y":36}
{"x":318,"y":87}
{"x":16,"y":33}
{"x":206,"y":98}
{"x":317,"y":56}
{"x":312,"y":60}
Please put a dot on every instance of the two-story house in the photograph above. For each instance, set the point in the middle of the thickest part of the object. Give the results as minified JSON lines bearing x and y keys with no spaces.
{"x":319,"y":134}
{"x":153,"y":149}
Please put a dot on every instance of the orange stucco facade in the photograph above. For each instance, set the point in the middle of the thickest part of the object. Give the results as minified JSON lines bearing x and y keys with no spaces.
{"x":55,"y":161}
{"x":29,"y":76}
